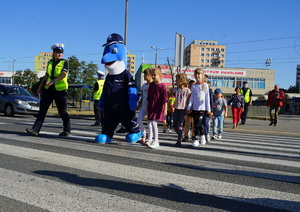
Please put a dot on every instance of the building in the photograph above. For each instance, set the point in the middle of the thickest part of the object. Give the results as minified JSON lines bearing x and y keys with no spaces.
{"x":131,"y":63}
{"x":41,"y":61}
{"x":204,"y":53}
{"x":6,"y":77}
{"x":261,"y":81}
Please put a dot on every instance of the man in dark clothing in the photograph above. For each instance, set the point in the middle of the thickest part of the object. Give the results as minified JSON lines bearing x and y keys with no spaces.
{"x":247,"y":93}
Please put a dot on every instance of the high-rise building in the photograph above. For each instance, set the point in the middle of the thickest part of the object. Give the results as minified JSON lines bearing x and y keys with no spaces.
{"x":41,"y":61}
{"x":205,"y":53}
{"x":131,"y":62}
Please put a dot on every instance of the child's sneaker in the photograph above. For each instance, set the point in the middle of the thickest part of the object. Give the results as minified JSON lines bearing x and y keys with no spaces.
{"x":195,"y":143}
{"x":203,"y":140}
{"x":185,"y":139}
{"x":207,"y":138}
{"x":220,"y":136}
{"x":178,"y":143}
{"x":214,"y":137}
{"x":154,"y":145}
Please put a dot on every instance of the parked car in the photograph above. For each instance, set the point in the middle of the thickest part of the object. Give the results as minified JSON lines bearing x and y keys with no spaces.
{"x":17,"y":100}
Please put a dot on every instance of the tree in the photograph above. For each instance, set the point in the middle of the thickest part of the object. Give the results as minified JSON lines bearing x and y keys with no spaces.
{"x":293,"y":89}
{"x":74,"y":70}
{"x":25,"y":78}
{"x":81,"y":73}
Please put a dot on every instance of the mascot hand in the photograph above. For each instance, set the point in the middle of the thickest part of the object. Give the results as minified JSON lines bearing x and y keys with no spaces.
{"x":133,"y":98}
{"x":132,"y":105}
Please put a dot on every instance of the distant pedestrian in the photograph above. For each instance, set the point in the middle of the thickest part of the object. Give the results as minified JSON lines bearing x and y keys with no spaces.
{"x":143,"y":103}
{"x":97,"y":91}
{"x":157,"y":106}
{"x":54,"y":86}
{"x":220,"y":112}
{"x":182,"y":95}
{"x":275,"y":101}
{"x":199,"y":105}
{"x":171,"y":109}
{"x":237,"y":106}
{"x":247,"y":93}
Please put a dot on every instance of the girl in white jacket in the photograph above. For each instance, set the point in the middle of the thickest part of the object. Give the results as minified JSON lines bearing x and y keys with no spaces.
{"x":199,"y":105}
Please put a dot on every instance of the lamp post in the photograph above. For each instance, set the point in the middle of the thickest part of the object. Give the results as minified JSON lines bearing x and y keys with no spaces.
{"x":13,"y":70}
{"x":156,"y":54}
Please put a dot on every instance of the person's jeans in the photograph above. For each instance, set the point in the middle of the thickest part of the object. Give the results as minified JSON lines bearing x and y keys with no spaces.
{"x":218,"y":125}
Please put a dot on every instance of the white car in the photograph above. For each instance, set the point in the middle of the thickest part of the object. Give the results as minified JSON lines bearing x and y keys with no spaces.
{"x":17,"y":100}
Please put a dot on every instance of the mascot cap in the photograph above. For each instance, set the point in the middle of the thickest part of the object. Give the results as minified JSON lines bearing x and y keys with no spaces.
{"x":113,"y":38}
{"x":58,"y":47}
{"x":101,"y":73}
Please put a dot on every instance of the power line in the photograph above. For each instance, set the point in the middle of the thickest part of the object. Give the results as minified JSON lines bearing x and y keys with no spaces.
{"x":269,"y":39}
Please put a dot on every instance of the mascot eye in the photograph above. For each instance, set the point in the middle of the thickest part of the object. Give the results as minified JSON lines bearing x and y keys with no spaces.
{"x":115,"y":51}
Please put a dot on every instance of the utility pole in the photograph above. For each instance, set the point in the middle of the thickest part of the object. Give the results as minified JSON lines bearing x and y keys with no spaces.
{"x":126,"y":23}
{"x":13,"y":70}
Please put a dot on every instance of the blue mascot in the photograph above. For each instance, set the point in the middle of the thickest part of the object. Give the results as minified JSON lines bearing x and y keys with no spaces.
{"x":119,"y":96}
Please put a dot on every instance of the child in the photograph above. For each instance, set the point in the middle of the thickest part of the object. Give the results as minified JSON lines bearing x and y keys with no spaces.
{"x":237,"y":106}
{"x":182,"y":93}
{"x":157,"y":106}
{"x":207,"y":117}
{"x":171,"y":102}
{"x":220,"y":111}
{"x":143,"y":103}
{"x":199,"y":105}
{"x":188,"y":121}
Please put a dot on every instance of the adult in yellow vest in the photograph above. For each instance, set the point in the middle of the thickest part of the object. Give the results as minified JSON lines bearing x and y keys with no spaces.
{"x":247,"y":93}
{"x":54,"y":86}
{"x":97,"y":91}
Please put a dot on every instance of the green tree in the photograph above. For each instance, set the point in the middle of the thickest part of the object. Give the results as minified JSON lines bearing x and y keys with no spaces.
{"x":74,"y":70}
{"x":81,"y":72}
{"x":25,"y":78}
{"x":293,"y":89}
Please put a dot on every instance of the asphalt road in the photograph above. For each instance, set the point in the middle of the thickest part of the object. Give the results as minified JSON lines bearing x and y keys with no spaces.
{"x":253,"y":168}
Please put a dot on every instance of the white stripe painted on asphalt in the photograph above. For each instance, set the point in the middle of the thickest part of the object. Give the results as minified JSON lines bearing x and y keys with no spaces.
{"x":195,"y":151}
{"x":57,"y":196}
{"x":193,"y":163}
{"x":244,"y":193}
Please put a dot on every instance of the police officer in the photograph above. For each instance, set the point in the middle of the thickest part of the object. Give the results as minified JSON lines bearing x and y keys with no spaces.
{"x":97,"y":91}
{"x":247,"y":93}
{"x":54,"y":86}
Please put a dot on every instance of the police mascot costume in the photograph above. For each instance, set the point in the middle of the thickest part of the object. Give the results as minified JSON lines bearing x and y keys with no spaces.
{"x":119,"y":97}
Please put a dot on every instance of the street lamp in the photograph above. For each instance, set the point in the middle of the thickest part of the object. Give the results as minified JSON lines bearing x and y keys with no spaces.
{"x":13,"y":70}
{"x":156,"y":54}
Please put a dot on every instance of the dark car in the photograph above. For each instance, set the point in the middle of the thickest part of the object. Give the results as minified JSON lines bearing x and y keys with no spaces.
{"x":17,"y":100}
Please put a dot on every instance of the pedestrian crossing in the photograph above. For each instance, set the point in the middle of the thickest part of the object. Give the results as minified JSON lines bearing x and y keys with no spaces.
{"x":240,"y":172}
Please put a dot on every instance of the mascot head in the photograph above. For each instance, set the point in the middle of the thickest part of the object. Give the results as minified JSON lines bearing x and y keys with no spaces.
{"x":114,"y":55}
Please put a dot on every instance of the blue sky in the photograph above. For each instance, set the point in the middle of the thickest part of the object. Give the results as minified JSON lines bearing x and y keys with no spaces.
{"x":252,"y":30}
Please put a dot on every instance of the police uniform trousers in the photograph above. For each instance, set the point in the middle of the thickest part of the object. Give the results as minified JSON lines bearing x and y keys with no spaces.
{"x":61,"y":100}
{"x":98,"y":113}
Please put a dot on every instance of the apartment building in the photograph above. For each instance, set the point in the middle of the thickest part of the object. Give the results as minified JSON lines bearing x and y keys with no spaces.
{"x":205,"y":53}
{"x":41,"y":61}
{"x":131,"y":63}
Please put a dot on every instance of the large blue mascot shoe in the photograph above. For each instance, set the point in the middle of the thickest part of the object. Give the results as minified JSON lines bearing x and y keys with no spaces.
{"x":133,"y":137}
{"x":102,"y":139}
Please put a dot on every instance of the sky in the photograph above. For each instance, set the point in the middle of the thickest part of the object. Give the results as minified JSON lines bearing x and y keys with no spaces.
{"x":252,"y":30}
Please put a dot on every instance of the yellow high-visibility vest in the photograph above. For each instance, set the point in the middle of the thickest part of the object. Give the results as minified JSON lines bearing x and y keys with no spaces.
{"x":61,"y":84}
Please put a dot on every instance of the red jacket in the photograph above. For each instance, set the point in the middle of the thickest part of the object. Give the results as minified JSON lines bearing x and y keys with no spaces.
{"x":274,"y":100}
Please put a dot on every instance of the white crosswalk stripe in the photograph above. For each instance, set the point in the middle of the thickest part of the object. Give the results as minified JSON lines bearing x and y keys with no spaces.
{"x":232,"y":169}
